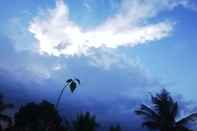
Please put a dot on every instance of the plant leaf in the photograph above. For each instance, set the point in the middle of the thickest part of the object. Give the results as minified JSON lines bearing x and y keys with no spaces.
{"x":73,"y":86}
{"x":69,"y":80}
{"x":78,"y":81}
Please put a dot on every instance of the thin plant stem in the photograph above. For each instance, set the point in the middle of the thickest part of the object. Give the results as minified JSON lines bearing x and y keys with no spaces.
{"x":60,"y":96}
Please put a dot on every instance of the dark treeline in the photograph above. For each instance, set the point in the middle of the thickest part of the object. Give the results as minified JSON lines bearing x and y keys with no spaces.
{"x":43,"y":116}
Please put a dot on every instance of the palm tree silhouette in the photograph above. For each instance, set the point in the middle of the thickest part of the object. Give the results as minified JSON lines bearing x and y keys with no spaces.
{"x":85,"y":122}
{"x":72,"y":84}
{"x":3,"y":117}
{"x":163,"y":113}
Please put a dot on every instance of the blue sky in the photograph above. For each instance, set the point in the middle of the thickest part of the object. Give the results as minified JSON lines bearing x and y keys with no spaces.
{"x":120,"y":49}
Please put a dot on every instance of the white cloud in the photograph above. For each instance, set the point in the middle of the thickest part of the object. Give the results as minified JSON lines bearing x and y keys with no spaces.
{"x":107,"y":59}
{"x":58,"y":35}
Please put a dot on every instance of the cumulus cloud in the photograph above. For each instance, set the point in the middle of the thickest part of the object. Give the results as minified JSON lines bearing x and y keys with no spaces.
{"x":58,"y":35}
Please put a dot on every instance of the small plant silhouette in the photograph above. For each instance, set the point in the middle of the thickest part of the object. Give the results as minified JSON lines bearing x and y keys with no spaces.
{"x":70,"y":83}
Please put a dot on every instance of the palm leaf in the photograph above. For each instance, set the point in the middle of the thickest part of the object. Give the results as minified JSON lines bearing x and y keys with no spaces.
{"x":151,"y":124}
{"x":182,"y":128}
{"x":144,"y":114}
{"x":175,"y":110}
{"x":149,"y":112}
{"x":190,"y":118}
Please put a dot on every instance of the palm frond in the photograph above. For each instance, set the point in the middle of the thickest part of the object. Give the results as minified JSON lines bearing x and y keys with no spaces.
{"x":190,"y":118}
{"x":147,"y":110}
{"x":145,"y":115}
{"x":175,"y":110}
{"x":182,"y":128}
{"x":151,"y":124}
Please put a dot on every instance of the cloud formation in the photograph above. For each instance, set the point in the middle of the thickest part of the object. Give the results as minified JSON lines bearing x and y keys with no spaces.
{"x":58,"y":35}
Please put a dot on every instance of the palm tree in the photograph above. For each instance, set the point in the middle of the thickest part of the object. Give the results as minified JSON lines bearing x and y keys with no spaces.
{"x":3,"y":117}
{"x":72,"y":84}
{"x":163,"y":113}
{"x":85,"y":122}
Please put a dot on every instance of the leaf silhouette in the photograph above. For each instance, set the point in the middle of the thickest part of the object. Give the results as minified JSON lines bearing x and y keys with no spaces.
{"x":73,"y":86}
{"x":69,"y":80}
{"x":78,"y":81}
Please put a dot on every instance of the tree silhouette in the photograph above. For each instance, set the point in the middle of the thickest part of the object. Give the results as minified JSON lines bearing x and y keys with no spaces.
{"x":37,"y":117}
{"x":66,"y":124}
{"x":3,"y":117}
{"x":163,"y":113}
{"x":72,"y":84}
{"x":115,"y":128}
{"x":85,"y":122}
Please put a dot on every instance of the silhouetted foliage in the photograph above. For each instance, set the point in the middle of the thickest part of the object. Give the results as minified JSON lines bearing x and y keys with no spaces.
{"x":70,"y":83}
{"x":85,"y":122}
{"x":115,"y":128}
{"x":37,"y":117}
{"x":162,"y":114}
{"x":67,"y":126}
{"x":43,"y":116}
{"x":3,"y":117}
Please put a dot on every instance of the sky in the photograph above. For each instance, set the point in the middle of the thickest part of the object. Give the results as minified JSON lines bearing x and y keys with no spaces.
{"x":121,"y":50}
